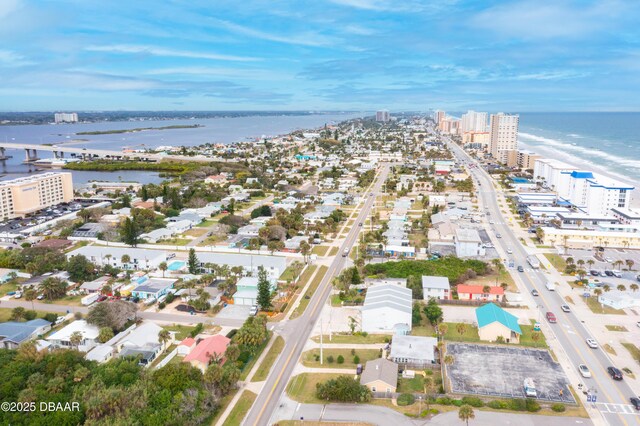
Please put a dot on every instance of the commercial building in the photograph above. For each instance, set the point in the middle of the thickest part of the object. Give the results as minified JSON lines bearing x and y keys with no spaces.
{"x":22,"y":196}
{"x":65,"y":117}
{"x":385,"y":306}
{"x":503,"y":131}
{"x":468,"y":243}
{"x":588,"y":239}
{"x":474,"y":122}
{"x":626,"y":216}
{"x":382,"y":116}
{"x":438,"y":116}
{"x":620,"y":299}
{"x":494,"y":323}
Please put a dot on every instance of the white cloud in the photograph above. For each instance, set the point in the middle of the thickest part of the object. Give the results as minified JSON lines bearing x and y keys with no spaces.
{"x":8,"y":6}
{"x":9,"y":58}
{"x":305,"y":39}
{"x":159,"y":51}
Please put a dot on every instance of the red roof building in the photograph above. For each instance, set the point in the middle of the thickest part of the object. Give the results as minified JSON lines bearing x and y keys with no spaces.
{"x":208,"y":350}
{"x":476,"y":292}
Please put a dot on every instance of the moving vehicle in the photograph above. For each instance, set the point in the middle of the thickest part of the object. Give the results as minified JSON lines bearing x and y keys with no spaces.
{"x":533,"y":261}
{"x":509,"y":251}
{"x":498,"y":236}
{"x":584,"y":371}
{"x":565,"y":308}
{"x":520,"y":268}
{"x":492,"y":222}
{"x":345,"y":253}
{"x":635,"y":401}
{"x":550,"y":286}
{"x":530,"y":388}
{"x":614,"y":373}
{"x":360,"y":224}
{"x":592,"y":343}
{"x":551,"y":317}
{"x":534,"y":292}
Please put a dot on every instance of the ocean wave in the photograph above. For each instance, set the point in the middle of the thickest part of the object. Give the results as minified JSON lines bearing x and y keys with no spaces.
{"x":586,"y":151}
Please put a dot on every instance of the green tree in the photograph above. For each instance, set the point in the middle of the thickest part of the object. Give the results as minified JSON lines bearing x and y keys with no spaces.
{"x":105,"y":334}
{"x":192,"y":262}
{"x":18,"y":314}
{"x":53,"y":288}
{"x":125,"y":260}
{"x":80,"y":269}
{"x":252,"y":333}
{"x":465,"y":413}
{"x":433,"y":311}
{"x":164,"y":336}
{"x":305,"y":250}
{"x":130,"y":232}
{"x":30,"y":295}
{"x":85,"y":215}
{"x":343,"y":389}
{"x":264,"y":290}
{"x":163,"y":267}
{"x":75,"y":339}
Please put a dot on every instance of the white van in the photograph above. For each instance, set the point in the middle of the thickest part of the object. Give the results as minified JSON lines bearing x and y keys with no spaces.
{"x":551,"y":286}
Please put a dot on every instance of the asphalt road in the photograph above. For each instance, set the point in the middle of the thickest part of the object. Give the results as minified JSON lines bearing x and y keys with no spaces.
{"x":569,"y":331}
{"x":298,"y":331}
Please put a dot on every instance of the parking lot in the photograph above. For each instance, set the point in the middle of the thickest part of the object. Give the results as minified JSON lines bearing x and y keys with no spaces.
{"x":500,"y":371}
{"x":608,"y":257}
{"x":16,"y":225}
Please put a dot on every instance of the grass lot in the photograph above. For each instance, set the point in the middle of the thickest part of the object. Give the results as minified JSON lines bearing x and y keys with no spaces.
{"x":557,"y":261}
{"x":415,"y":385}
{"x":424,"y":329}
{"x":616,"y":328}
{"x":526,"y":340}
{"x":302,"y":281}
{"x":310,"y":290}
{"x":633,"y":350}
{"x":333,"y":251}
{"x":597,"y":308}
{"x":182,"y":331}
{"x":355,"y":339}
{"x":320,"y":250}
{"x":252,"y":361}
{"x":7,"y":287}
{"x":308,"y":357}
{"x":67,"y":300}
{"x":223,"y":405}
{"x":269,"y":360}
{"x":175,"y":242}
{"x":195,"y":232}
{"x":302,"y":388}
{"x":5,"y":314}
{"x":164,"y":355}
{"x":608,"y":348}
{"x":241,"y":408}
{"x":502,"y":277}
{"x":287,"y":275}
{"x":470,"y":333}
{"x":206,"y":223}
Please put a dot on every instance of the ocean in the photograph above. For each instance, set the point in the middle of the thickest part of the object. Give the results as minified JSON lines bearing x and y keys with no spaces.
{"x":603,"y":142}
{"x":214,"y":130}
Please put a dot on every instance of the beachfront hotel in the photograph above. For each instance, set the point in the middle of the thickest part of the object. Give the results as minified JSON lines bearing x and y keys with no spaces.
{"x":503,"y":129}
{"x":19,"y":197}
{"x":473,"y":121}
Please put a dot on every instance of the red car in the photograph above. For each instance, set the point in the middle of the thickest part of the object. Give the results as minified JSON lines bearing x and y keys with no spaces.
{"x":551,"y":318}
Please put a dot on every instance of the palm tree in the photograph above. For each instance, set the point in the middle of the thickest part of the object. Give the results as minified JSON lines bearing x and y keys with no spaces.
{"x":621,"y":287}
{"x":629,"y":263}
{"x":30,"y":295}
{"x":164,"y":336}
{"x":108,"y":256}
{"x":442,"y":329}
{"x":465,"y":413}
{"x":449,"y":359}
{"x":125,"y":259}
{"x":606,"y":288}
{"x":163,"y":267}
{"x":461,"y":328}
{"x":590,"y":262}
{"x":580,"y":262}
{"x":633,"y":287}
{"x":75,"y":339}
{"x":597,"y":292}
{"x":570,"y":260}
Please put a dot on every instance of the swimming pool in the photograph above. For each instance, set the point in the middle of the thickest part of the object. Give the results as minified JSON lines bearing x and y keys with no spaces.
{"x":176,"y":265}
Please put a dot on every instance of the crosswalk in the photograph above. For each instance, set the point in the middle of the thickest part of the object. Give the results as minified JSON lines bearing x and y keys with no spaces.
{"x":606,"y":407}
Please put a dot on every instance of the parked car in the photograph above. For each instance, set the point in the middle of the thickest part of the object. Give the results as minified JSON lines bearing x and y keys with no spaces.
{"x":59,"y":320}
{"x":608,"y":273}
{"x":551,"y":317}
{"x":584,"y":371}
{"x":594,"y":273}
{"x":614,"y":373}
{"x":565,"y":308}
{"x":608,"y":259}
{"x":17,"y":295}
{"x":253,"y":311}
{"x":592,"y":343}
{"x":40,"y":297}
{"x":616,"y":273}
{"x":534,"y":292}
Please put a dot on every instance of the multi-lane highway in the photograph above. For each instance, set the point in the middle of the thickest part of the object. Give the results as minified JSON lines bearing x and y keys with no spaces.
{"x":298,"y":331}
{"x":571,"y":334}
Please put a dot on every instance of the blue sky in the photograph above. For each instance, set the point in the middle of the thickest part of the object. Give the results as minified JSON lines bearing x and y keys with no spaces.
{"x":323,"y":54}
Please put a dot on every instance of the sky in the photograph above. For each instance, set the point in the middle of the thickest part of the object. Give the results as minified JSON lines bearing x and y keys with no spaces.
{"x":407,"y":55}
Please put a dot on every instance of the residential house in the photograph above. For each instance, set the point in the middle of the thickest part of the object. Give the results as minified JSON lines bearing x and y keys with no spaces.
{"x":293,"y":243}
{"x":247,"y":290}
{"x":380,"y":375}
{"x":249,"y":231}
{"x":180,"y":226}
{"x":413,"y":351}
{"x":142,"y":341}
{"x":208,"y":350}
{"x":186,"y":346}
{"x":436,"y":287}
{"x":153,"y":288}
{"x":139,"y":258}
{"x":385,"y":306}
{"x":476,"y":292}
{"x":193,"y":218}
{"x":88,"y":231}
{"x":95,"y":286}
{"x":494,"y":322}
{"x":12,"y":334}
{"x":157,"y":235}
{"x":468,"y":243}
{"x":260,"y":221}
{"x":216,"y":179}
{"x":274,"y":265}
{"x":62,"y":338}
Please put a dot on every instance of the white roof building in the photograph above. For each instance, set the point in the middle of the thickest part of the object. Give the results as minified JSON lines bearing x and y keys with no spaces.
{"x":385,"y":306}
{"x":62,"y":337}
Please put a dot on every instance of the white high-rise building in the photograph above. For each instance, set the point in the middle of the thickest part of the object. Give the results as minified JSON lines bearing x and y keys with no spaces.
{"x":22,"y":196}
{"x":474,"y":122}
{"x":382,"y":116}
{"x":438,"y":116}
{"x":65,"y":117}
{"x":503,"y":131}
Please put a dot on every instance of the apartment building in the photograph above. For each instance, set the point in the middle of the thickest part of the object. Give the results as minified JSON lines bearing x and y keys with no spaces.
{"x":503,"y":131}
{"x":65,"y":117}
{"x":19,"y":197}
{"x":474,"y":122}
{"x":382,"y":116}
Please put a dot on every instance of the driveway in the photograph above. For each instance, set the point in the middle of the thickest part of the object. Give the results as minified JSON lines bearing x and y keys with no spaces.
{"x":234,"y":312}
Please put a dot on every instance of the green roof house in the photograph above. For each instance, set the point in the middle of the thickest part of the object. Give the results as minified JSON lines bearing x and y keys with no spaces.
{"x":493,"y":321}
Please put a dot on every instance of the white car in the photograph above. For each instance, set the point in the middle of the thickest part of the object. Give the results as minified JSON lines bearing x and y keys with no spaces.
{"x":616,"y":273}
{"x":592,"y":343}
{"x":584,"y":370}
{"x":608,"y":259}
{"x":492,"y":222}
{"x":509,"y":251}
{"x":565,"y":308}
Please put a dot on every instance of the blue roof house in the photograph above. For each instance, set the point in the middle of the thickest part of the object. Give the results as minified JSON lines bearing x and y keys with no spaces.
{"x":495,"y":322}
{"x":14,"y":333}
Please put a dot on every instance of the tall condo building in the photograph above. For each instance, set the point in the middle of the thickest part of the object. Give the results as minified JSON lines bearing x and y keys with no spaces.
{"x":65,"y":117}
{"x":503,"y":129}
{"x":439,"y":116}
{"x":19,"y":197}
{"x":382,"y":116}
{"x":474,"y":122}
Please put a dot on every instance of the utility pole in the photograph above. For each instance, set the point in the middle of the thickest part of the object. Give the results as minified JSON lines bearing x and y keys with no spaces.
{"x":321,"y":358}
